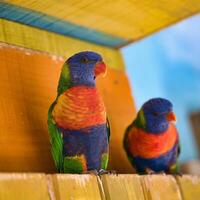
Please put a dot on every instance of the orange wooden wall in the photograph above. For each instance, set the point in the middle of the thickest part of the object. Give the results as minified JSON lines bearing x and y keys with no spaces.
{"x":28,"y":82}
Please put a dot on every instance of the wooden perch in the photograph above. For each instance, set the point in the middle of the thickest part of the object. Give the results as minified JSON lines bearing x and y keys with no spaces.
{"x":110,"y":187}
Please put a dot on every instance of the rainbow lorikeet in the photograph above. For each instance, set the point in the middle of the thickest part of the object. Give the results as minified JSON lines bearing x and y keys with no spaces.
{"x":77,"y":122}
{"x":151,"y":141}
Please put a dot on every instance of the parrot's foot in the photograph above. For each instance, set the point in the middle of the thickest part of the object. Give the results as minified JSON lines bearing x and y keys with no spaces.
{"x":103,"y":171}
{"x":177,"y":174}
{"x":100,"y":172}
{"x":161,"y":173}
{"x":151,"y":172}
{"x":92,"y":172}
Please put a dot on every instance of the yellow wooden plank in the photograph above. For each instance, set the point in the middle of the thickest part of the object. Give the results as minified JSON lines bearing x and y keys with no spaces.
{"x":33,"y":38}
{"x":23,"y":186}
{"x":1,"y":32}
{"x":122,"y":187}
{"x":127,"y":19}
{"x":76,"y":187}
{"x":190,"y":186}
{"x":157,"y":187}
{"x":29,"y":186}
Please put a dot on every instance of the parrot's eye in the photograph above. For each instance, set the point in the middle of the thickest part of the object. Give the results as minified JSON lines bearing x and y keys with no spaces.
{"x":84,"y":60}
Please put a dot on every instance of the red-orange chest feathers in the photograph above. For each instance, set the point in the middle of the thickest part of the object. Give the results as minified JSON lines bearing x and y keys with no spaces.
{"x":148,"y":145}
{"x":79,"y":107}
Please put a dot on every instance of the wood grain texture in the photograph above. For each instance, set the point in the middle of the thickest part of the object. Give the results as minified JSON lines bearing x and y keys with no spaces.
{"x":37,"y":39}
{"x":128,"y":19}
{"x":190,"y":186}
{"x":160,"y":187}
{"x":122,"y":187}
{"x":37,"y":186}
{"x":76,"y":187}
{"x":28,"y":82}
{"x":23,"y":186}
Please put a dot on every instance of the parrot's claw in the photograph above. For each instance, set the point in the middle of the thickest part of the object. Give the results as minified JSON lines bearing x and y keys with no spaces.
{"x":100,"y":172}
{"x":103,"y":171}
{"x":162,"y":173}
{"x":92,"y":172}
{"x":151,"y":172}
{"x":177,"y":174}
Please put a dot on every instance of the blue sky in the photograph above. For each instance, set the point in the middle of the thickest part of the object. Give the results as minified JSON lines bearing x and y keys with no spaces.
{"x":167,"y":64}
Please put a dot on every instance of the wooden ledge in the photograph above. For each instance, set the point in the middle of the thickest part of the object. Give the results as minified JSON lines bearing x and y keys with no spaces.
{"x":112,"y":187}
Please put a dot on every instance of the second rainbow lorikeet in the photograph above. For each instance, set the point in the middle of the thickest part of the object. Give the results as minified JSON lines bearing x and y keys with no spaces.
{"x":77,"y":122}
{"x":151,"y":141}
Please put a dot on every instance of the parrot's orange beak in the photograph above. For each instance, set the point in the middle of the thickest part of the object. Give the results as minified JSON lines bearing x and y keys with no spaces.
{"x":100,"y":68}
{"x":171,"y":117}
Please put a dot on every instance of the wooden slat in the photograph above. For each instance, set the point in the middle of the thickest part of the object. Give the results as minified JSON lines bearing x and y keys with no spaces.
{"x":76,"y":187}
{"x":37,"y":39}
{"x":160,"y":187}
{"x":23,"y":187}
{"x":35,"y":186}
{"x":190,"y":187}
{"x":122,"y":187}
{"x":128,"y":19}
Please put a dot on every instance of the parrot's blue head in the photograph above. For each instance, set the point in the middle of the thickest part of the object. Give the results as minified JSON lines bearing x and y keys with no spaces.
{"x":155,"y":115}
{"x":84,"y":67}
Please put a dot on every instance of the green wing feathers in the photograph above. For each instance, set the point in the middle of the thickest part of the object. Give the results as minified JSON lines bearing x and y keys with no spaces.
{"x":56,"y":141}
{"x":55,"y":135}
{"x":64,"y":80}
